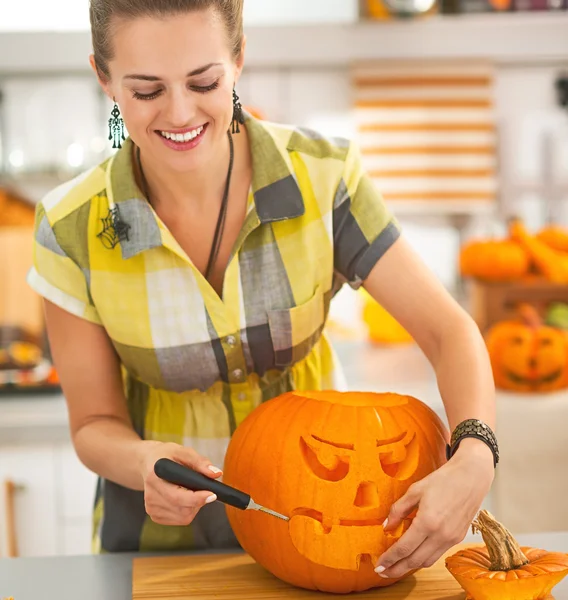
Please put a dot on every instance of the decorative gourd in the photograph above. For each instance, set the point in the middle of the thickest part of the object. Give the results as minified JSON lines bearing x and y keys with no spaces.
{"x":551,"y":263}
{"x":334,"y":463}
{"x":382,"y":327}
{"x":527,"y":356}
{"x":502,"y":570}
{"x":554,"y":236}
{"x":494,"y":260}
{"x":557,"y":315}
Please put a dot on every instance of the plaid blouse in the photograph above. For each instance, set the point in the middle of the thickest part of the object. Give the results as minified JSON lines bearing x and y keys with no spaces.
{"x":196,"y":364}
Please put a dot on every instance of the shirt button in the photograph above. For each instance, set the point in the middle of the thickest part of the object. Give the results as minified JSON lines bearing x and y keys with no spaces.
{"x":237,"y":373}
{"x":231,"y":340}
{"x":242,"y":396}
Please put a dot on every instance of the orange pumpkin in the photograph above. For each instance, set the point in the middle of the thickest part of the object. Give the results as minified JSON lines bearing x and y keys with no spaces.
{"x":494,"y":260}
{"x":527,"y":356}
{"x":554,"y":236}
{"x":335,"y":463}
{"x":502,"y":570}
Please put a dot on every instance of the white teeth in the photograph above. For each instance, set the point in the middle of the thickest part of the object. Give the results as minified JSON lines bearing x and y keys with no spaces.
{"x":182,"y":137}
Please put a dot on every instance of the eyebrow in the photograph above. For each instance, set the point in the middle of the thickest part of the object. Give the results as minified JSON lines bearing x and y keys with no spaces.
{"x":193,"y":73}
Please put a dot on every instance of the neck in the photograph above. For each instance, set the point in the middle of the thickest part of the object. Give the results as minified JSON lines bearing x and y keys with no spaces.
{"x":179,"y":191}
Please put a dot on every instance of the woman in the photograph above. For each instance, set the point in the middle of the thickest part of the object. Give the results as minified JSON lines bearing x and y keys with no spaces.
{"x":188,"y":279}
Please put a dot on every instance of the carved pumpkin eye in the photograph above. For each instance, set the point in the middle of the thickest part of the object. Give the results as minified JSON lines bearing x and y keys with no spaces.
{"x":517,"y":340}
{"x":327,"y":460}
{"x":399,"y":455}
{"x":546,"y":342}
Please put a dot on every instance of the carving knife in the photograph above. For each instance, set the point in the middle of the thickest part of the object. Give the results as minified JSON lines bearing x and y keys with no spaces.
{"x":178,"y":474}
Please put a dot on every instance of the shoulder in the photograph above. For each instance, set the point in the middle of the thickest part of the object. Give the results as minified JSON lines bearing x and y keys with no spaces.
{"x":74,"y":195}
{"x":307,"y":141}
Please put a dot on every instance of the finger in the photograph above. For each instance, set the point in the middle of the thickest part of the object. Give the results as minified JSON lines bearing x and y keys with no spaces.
{"x":181,"y":517}
{"x":403,"y":507}
{"x":424,"y":556}
{"x":403,"y":548}
{"x":190,"y":458}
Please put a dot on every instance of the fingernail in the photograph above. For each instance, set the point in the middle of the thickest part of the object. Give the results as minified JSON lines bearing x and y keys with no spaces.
{"x":379,"y":569}
{"x":386,"y":522}
{"x":214,"y":469}
{"x":210,"y":499}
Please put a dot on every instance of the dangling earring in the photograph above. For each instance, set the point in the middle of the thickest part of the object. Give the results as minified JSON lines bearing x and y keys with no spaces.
{"x":237,"y":114}
{"x":116,"y":127}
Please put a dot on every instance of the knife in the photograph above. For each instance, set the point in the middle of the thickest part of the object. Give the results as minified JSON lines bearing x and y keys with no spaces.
{"x":174,"y":472}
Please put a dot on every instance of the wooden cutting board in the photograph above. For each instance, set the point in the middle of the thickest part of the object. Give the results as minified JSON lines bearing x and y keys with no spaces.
{"x":237,"y":576}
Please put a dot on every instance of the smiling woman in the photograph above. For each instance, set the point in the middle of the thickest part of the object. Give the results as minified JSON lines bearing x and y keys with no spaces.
{"x":188,"y":279}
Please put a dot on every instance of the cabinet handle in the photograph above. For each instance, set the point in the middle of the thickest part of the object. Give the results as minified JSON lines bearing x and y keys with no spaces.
{"x":10,"y":489}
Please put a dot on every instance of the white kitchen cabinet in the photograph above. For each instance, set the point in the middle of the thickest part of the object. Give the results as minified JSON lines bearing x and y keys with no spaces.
{"x":33,"y":471}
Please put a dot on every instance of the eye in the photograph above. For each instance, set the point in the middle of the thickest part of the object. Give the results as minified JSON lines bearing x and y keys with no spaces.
{"x":324,"y":461}
{"x":517,"y":340}
{"x":151,"y":96}
{"x":546,"y":342}
{"x":203,"y":89}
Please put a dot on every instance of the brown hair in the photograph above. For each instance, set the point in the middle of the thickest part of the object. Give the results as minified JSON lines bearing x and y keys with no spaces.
{"x":102,"y":13}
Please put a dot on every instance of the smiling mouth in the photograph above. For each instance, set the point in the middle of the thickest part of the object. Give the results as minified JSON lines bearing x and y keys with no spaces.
{"x":551,"y":378}
{"x":316,"y":537}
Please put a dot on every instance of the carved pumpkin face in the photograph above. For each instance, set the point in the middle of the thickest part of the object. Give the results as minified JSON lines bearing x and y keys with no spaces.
{"x":528,"y":359}
{"x":335,"y":463}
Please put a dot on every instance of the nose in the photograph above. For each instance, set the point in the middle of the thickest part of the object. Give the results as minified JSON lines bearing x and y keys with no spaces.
{"x":532,"y":363}
{"x":180,"y":110}
{"x":367,"y":495}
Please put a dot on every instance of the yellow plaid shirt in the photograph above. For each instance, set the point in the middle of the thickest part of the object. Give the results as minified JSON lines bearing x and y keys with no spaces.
{"x":196,"y":364}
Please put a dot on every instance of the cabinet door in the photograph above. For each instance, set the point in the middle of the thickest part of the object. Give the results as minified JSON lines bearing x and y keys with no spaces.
{"x":32,"y":471}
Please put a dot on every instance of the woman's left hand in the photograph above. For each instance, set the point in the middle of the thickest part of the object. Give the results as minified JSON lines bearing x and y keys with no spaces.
{"x":448,"y":500}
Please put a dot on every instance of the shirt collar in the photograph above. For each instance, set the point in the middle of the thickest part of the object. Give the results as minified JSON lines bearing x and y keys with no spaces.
{"x":277,"y":196}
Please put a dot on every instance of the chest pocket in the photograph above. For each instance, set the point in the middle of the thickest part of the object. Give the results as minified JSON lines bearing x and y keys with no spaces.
{"x":295,"y":331}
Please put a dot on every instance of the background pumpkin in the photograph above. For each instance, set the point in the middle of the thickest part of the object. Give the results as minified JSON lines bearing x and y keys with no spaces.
{"x":334,"y":462}
{"x":494,"y":260}
{"x":554,"y":236}
{"x":527,"y":356}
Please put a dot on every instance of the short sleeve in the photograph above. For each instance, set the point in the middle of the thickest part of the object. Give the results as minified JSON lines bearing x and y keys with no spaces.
{"x":363,"y":227}
{"x":55,"y":276}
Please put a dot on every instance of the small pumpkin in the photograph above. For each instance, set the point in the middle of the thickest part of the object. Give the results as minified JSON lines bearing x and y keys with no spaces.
{"x":334,"y":463}
{"x":551,"y":263}
{"x":494,"y":260}
{"x":382,"y":327}
{"x":502,"y":570}
{"x":554,"y":236}
{"x":527,"y":356}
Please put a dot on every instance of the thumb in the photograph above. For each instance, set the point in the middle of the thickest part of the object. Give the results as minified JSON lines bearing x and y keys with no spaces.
{"x":190,"y":458}
{"x":403,"y":507}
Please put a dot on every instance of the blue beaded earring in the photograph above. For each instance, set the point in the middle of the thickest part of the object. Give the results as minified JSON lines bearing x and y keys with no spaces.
{"x":116,"y":127}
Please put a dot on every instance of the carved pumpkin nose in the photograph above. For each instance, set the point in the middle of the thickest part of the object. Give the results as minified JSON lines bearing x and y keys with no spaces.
{"x":532,"y":363}
{"x":367,"y":495}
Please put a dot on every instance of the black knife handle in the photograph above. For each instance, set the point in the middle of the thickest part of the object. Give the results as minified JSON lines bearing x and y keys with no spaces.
{"x":192,"y":480}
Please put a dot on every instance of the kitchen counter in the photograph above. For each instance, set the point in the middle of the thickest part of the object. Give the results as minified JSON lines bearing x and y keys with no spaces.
{"x":109,"y":577}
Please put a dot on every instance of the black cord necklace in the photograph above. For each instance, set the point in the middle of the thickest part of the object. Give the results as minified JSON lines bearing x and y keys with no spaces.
{"x":222,"y":212}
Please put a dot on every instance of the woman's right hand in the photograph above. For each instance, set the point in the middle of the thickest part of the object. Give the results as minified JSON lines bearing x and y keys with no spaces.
{"x":167,"y":503}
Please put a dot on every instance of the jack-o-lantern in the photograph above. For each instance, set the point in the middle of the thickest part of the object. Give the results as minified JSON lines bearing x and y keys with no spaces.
{"x":527,"y":356}
{"x":334,"y":463}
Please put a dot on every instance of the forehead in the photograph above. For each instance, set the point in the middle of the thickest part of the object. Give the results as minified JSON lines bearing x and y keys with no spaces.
{"x":168,"y":46}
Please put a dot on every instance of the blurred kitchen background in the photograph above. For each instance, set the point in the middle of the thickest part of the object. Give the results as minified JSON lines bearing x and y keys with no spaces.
{"x":461,"y":111}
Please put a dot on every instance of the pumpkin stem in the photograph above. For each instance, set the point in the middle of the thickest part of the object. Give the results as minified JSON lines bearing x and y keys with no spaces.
{"x":529,"y":315}
{"x":504,"y":551}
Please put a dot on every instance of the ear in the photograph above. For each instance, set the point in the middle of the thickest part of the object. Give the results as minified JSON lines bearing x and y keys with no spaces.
{"x":103,"y":81}
{"x":241,"y":59}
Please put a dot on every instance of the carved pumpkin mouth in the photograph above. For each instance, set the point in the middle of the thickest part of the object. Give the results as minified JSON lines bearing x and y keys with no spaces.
{"x":550,"y":378}
{"x":316,"y":537}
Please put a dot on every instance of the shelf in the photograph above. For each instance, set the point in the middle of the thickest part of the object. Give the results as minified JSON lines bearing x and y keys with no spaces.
{"x":442,"y":209}
{"x":504,"y":38}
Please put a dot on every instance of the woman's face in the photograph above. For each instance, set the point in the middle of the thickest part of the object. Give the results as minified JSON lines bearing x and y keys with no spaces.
{"x":173,"y":80}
